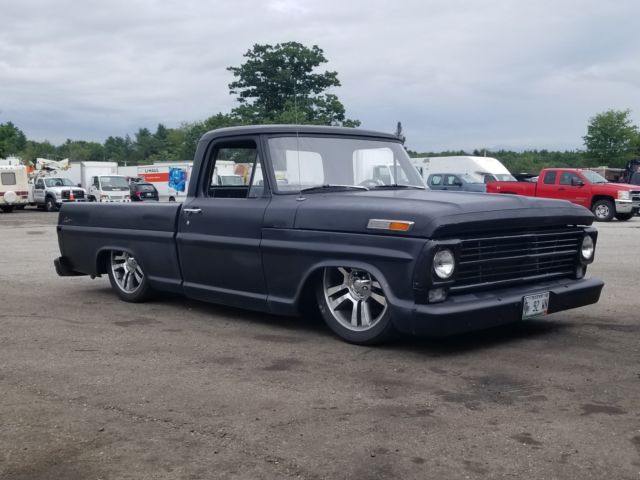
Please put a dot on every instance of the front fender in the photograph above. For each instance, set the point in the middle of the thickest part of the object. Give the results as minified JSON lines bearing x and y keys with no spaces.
{"x":292,"y":257}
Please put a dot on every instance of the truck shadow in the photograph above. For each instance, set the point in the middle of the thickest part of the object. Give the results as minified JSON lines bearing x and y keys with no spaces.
{"x":311,"y":327}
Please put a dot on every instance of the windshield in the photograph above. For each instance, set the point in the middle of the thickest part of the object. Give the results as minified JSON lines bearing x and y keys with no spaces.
{"x":503,"y":177}
{"x":305,"y":162}
{"x":58,"y":182}
{"x":109,"y":183}
{"x":472,"y":178}
{"x":593,"y":177}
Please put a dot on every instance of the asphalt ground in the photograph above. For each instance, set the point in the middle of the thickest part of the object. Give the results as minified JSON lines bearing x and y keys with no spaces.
{"x":95,"y":388}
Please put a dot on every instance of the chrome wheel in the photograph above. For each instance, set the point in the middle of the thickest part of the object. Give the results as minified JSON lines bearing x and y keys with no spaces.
{"x":602,"y":211}
{"x":354,"y":297}
{"x":127,"y":273}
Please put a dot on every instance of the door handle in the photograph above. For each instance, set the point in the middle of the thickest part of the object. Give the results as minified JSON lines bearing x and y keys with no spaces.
{"x":561,"y":189}
{"x":189,"y":211}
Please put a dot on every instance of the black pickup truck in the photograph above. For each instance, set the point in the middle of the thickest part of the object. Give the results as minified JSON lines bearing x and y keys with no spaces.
{"x":337,"y":219}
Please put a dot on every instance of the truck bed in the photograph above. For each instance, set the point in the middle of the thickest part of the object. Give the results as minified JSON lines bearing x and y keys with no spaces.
{"x":87,"y":231}
{"x":515,"y":188}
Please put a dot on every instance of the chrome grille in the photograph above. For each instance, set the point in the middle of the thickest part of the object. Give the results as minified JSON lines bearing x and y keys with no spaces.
{"x":488,"y":261}
{"x":635,"y":197}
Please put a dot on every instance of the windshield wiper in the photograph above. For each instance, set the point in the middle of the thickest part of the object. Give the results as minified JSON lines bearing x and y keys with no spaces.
{"x":330,"y":187}
{"x":396,"y":185}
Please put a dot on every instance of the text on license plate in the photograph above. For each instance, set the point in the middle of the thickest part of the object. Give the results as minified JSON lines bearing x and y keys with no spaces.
{"x":534,"y":305}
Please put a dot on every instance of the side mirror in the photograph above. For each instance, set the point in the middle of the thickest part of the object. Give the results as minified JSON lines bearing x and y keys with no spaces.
{"x":576,"y":182}
{"x":457,"y":183}
{"x":78,"y":185}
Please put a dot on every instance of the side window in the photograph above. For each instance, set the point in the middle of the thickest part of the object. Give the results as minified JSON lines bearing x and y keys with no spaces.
{"x":566,"y":177}
{"x":435,"y":180}
{"x":236,"y":171}
{"x":550,"y":178}
{"x":8,"y":178}
{"x":40,"y":183}
{"x":95,"y":182}
{"x":450,"y":180}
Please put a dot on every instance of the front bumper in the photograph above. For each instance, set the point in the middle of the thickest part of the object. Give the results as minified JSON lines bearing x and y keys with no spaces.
{"x":624,"y":206}
{"x":476,"y":311}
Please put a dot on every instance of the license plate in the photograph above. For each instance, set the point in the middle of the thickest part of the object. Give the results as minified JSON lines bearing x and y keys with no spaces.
{"x":535,"y":305}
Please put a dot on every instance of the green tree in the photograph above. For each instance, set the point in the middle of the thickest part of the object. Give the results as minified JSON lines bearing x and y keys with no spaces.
{"x":610,"y":137}
{"x":12,"y":140}
{"x":279,"y":84}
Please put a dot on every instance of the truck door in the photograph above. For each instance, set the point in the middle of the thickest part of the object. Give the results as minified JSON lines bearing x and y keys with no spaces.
{"x":220,"y":229}
{"x":547,"y":185}
{"x":38,"y":191}
{"x":574,"y":188}
{"x":435,"y":182}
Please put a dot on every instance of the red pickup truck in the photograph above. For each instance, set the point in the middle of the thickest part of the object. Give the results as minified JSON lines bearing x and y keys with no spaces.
{"x":584,"y":187}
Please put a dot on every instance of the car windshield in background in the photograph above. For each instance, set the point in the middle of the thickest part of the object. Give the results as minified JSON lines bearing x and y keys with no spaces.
{"x":593,"y":177}
{"x":472,"y":178}
{"x":339,"y":164}
{"x":58,"y":182}
{"x":109,"y":183}
{"x":146,"y":187}
{"x":504,"y":177}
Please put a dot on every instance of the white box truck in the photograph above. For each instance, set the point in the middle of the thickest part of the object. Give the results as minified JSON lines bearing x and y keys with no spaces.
{"x":103,"y":183}
{"x":170,"y":179}
{"x":488,"y":169}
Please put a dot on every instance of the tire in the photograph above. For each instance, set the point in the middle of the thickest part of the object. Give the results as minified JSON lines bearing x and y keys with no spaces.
{"x":604,"y":210}
{"x":623,"y":217}
{"x":172,"y":199}
{"x":127,"y":277}
{"x":92,"y":198}
{"x":7,"y":208}
{"x":354,"y":306}
{"x":50,"y":205}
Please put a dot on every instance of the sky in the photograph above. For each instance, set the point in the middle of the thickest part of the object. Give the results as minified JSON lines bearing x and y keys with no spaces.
{"x":457,"y":74}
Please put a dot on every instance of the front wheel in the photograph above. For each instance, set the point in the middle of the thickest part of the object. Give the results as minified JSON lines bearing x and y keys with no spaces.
{"x":7,"y":209}
{"x":604,"y":210}
{"x":128,"y":278}
{"x":354,"y":305}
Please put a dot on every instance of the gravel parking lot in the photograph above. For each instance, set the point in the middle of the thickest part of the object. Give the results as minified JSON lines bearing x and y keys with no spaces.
{"x":95,"y":388}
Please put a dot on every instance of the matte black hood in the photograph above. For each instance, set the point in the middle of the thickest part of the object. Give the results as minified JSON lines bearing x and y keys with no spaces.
{"x":436,"y":214}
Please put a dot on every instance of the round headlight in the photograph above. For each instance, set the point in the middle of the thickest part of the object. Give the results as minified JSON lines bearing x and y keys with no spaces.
{"x":587,"y":247}
{"x":443,"y":264}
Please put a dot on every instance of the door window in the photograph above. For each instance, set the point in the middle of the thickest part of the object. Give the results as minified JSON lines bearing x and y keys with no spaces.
{"x":567,"y":177}
{"x":236,"y":171}
{"x":436,"y":180}
{"x":451,"y":181}
{"x":550,"y":178}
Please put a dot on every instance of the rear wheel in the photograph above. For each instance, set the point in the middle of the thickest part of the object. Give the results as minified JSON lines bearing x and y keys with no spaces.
{"x":604,"y":210}
{"x":127,"y":277}
{"x":7,"y":208}
{"x":353,"y":305}
{"x":623,"y":217}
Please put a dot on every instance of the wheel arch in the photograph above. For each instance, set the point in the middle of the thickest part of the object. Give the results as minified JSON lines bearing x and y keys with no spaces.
{"x":602,"y":197}
{"x":102,"y":258}
{"x":314,"y":275}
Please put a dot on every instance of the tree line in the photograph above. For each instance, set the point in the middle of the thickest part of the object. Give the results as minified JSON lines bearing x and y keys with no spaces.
{"x":281,"y":84}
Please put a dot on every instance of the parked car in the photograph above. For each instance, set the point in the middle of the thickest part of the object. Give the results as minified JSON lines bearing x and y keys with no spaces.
{"x":462,"y":182}
{"x":583,"y":187}
{"x":310,"y":227}
{"x":143,"y":192}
